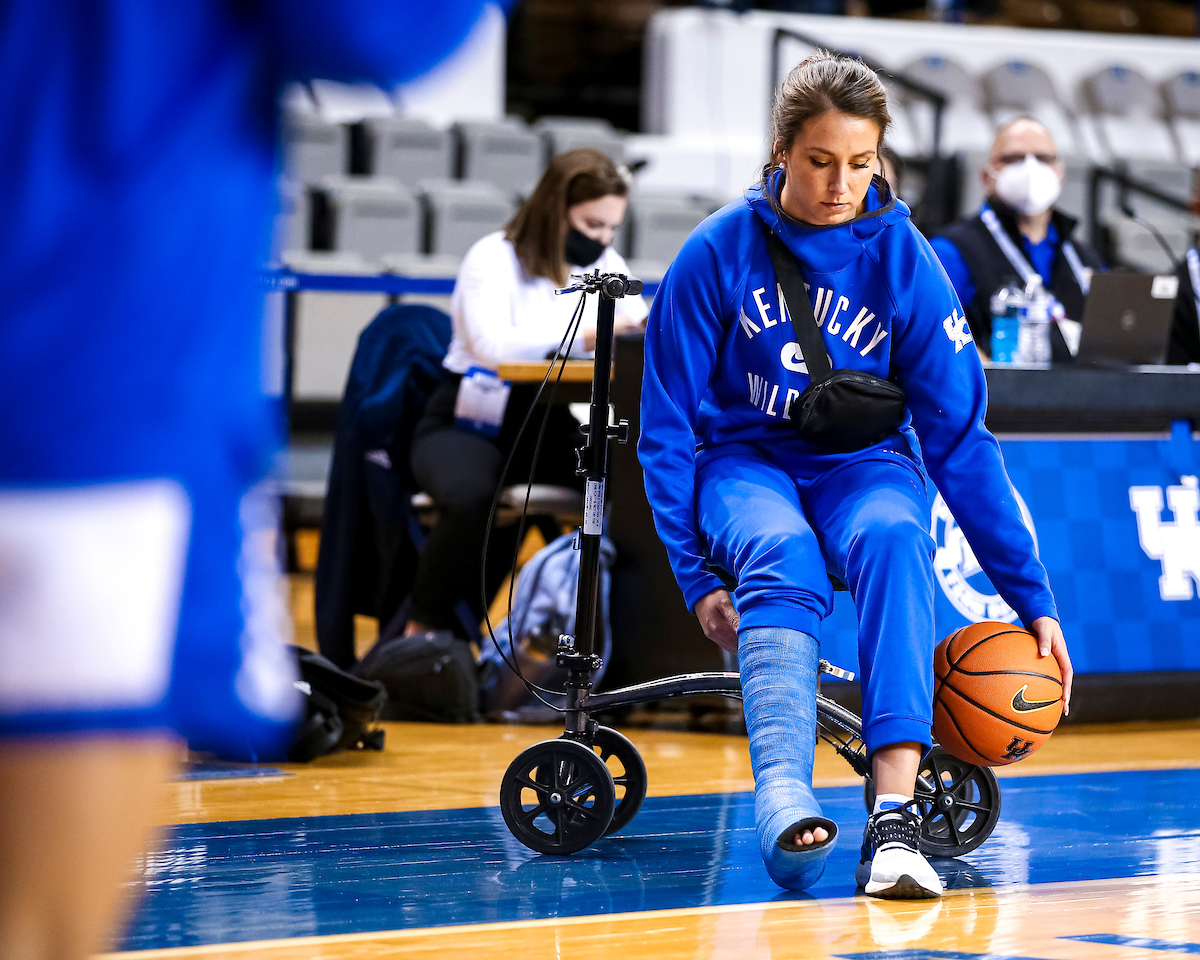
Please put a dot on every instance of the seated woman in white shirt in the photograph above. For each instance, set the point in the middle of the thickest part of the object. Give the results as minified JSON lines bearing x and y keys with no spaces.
{"x":504,"y":308}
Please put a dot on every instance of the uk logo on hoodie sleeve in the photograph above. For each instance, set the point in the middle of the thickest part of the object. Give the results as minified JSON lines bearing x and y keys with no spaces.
{"x":957,"y":330}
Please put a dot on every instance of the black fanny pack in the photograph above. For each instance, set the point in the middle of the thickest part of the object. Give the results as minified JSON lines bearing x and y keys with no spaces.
{"x":841,"y":409}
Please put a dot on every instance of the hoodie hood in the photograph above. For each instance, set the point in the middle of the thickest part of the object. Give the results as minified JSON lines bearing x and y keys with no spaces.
{"x":829,"y":249}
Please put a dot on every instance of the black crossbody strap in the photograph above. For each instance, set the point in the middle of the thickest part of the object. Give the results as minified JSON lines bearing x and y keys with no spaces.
{"x":799,"y":307}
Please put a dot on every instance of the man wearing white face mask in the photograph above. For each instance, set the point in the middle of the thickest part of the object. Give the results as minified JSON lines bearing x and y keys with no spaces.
{"x":1018,"y":234}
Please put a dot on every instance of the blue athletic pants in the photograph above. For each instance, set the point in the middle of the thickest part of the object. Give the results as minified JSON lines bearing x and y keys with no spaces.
{"x":866,"y":522}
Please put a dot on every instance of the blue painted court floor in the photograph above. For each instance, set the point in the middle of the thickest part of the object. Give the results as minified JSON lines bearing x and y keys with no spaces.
{"x":264,"y":879}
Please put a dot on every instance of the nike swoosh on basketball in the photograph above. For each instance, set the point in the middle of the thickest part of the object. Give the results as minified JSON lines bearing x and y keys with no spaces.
{"x":1021,"y":705}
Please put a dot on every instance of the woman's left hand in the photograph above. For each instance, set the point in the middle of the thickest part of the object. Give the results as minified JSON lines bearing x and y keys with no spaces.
{"x":1051,"y":641}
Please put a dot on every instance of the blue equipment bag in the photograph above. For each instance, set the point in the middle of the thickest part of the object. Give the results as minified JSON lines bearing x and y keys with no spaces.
{"x":543,"y":608}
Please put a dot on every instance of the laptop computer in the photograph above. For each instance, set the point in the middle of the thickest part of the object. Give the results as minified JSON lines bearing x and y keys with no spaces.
{"x":1127,"y":319}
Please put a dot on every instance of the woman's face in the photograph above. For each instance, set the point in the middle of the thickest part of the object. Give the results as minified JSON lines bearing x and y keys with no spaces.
{"x":598,"y":219}
{"x":828,"y":168}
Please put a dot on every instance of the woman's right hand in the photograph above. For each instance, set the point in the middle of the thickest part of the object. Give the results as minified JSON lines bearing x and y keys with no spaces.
{"x":718,"y":619}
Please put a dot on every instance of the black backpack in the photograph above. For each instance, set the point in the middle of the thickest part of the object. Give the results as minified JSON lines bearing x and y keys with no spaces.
{"x":341,"y":710}
{"x":428,"y":676}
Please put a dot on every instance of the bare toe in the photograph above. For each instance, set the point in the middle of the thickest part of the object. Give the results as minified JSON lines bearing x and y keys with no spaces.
{"x":809,"y":837}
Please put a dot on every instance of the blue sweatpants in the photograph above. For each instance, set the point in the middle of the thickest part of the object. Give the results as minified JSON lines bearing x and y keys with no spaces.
{"x":866,"y":522}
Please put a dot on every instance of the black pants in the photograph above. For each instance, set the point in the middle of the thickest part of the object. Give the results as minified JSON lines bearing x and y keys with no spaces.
{"x":461,"y":471}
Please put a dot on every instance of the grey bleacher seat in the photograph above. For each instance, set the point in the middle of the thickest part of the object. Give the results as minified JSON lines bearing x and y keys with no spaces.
{"x":620,"y":240}
{"x":1127,"y":115}
{"x":1136,"y":246}
{"x":327,"y":324}
{"x":301,"y":470}
{"x":1019,"y":88}
{"x":508,"y":155}
{"x":1074,"y":198}
{"x":373,"y":216}
{"x":291,"y":228}
{"x":422,"y":264}
{"x":1133,"y":241}
{"x":648,"y":271}
{"x":410,"y":150}
{"x":965,"y":124}
{"x":460,"y":212}
{"x":425,"y":266}
{"x":901,"y":135}
{"x":971,"y":162}
{"x":529,"y":499}
{"x":350,"y":102}
{"x":1173,"y":179}
{"x":659,"y":225}
{"x":313,"y":148}
{"x":1182,"y":93}
{"x":560,"y":134}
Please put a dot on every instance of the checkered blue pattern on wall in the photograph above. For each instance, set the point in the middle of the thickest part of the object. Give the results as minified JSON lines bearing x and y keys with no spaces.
{"x":1118,"y":529}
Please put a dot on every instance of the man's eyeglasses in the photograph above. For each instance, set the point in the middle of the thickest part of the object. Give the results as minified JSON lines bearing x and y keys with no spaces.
{"x":1005,"y":159}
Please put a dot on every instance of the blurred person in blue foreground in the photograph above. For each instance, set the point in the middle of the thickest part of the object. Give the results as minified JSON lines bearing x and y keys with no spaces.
{"x":139,"y":597}
{"x":1017,"y":233}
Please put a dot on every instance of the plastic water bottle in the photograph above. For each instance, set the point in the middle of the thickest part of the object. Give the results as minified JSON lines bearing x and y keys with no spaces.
{"x":1033,"y":337}
{"x":1006,"y":304}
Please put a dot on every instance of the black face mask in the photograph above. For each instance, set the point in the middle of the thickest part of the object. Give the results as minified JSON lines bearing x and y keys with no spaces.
{"x":581,"y":249}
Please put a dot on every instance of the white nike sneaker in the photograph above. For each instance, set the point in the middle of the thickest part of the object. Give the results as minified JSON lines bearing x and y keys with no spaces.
{"x":892,"y":866}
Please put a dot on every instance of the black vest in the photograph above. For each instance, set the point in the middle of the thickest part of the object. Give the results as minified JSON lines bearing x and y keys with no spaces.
{"x":1184,"y":345}
{"x":990,"y":268}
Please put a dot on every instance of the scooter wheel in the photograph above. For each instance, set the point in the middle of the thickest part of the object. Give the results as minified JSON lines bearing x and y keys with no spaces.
{"x":628,"y":772}
{"x":959,"y":802}
{"x":557,"y":797}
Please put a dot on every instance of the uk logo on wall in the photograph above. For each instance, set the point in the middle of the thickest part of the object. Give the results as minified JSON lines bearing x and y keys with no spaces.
{"x":959,"y":573}
{"x":1174,"y":544}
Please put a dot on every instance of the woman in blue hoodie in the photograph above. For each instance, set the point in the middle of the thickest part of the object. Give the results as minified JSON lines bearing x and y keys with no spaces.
{"x":734,"y":487}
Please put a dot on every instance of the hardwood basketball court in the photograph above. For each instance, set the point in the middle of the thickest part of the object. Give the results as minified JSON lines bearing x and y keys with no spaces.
{"x":404,"y":853}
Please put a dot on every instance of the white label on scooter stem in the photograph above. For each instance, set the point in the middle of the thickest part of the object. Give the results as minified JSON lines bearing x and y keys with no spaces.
{"x":593,"y":508}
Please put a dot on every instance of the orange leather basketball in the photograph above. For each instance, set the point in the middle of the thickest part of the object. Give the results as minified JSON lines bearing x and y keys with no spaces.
{"x":995,"y":701}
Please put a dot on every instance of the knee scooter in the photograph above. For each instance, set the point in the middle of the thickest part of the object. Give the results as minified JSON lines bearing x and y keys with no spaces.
{"x":561,"y":796}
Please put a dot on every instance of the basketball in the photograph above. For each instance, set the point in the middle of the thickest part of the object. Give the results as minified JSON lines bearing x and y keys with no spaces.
{"x":995,"y":701}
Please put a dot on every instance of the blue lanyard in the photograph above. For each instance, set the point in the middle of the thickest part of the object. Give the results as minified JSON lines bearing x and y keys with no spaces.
{"x":1083,"y":275}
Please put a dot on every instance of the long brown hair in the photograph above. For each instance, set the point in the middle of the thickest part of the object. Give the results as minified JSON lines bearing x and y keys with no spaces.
{"x":539,"y":230}
{"x":816,"y":85}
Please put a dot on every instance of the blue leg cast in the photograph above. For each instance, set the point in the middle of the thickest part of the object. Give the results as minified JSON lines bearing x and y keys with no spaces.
{"x":779,"y":684}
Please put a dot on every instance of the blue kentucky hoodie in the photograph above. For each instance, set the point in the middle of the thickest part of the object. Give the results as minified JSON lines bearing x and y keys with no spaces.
{"x":723,"y":369}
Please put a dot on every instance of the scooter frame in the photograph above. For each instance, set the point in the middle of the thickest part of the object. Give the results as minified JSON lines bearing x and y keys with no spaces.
{"x":560,"y":796}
